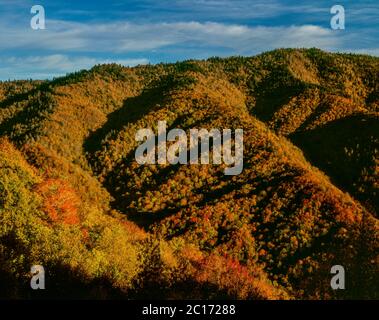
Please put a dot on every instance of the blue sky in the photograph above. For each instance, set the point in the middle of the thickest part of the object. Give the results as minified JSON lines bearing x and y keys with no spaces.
{"x":82,"y":33}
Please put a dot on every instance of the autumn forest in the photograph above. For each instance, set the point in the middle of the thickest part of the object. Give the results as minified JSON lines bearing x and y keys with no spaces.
{"x":73,"y":198}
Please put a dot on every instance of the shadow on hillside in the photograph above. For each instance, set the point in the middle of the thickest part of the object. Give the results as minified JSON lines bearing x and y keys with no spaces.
{"x":61,"y":282}
{"x":158,"y":177}
{"x":133,"y":109}
{"x":344,"y":149}
{"x":275,"y":91}
{"x":8,"y":101}
{"x":25,"y":123}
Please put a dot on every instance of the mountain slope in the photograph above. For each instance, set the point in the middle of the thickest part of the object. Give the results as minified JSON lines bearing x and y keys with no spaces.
{"x":274,"y":231}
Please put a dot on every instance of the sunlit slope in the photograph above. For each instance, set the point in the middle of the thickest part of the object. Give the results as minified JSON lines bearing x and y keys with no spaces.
{"x":97,"y":254}
{"x":279,"y":212}
{"x":301,"y":93}
{"x":274,"y":231}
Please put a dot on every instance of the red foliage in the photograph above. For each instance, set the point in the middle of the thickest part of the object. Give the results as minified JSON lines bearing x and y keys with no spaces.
{"x":60,"y":201}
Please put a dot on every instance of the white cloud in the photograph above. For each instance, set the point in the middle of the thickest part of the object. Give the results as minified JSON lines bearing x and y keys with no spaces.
{"x":123,"y":37}
{"x":42,"y":67}
{"x":370,"y":51}
{"x":65,"y":46}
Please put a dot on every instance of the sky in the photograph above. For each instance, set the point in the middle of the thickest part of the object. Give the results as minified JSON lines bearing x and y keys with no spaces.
{"x":80,"y":34}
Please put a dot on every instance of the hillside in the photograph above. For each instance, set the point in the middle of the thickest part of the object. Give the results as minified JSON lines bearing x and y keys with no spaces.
{"x":74,"y":199}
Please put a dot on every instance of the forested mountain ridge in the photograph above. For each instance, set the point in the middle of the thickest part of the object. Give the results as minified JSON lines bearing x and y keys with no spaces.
{"x":74,"y":199}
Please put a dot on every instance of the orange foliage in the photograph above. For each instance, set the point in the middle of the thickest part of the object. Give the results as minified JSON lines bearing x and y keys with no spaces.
{"x":239,"y":281}
{"x":60,"y":201}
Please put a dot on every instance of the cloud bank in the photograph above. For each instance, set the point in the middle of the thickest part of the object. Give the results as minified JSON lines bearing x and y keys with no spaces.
{"x":67,"y":45}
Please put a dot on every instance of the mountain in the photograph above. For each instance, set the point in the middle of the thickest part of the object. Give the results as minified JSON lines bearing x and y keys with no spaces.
{"x":74,"y":200}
